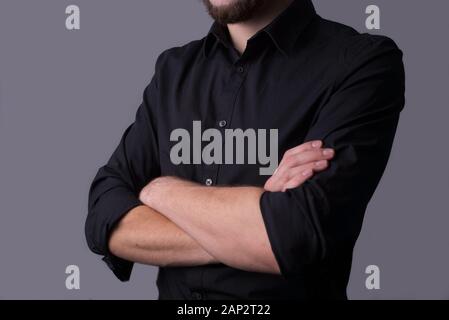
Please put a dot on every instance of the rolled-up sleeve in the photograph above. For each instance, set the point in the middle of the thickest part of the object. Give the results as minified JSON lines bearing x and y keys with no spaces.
{"x":320,"y":221}
{"x":116,"y":187}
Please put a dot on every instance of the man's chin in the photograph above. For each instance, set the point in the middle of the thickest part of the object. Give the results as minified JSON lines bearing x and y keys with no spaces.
{"x":232,"y":11}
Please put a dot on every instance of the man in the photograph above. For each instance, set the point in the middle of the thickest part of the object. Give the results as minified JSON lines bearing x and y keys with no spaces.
{"x":220,"y":231}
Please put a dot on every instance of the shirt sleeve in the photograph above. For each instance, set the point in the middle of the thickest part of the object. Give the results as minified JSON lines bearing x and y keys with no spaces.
{"x":319,"y":222}
{"x":115,"y":188}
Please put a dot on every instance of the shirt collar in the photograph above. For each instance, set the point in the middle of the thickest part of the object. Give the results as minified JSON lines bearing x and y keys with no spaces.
{"x":283,"y":31}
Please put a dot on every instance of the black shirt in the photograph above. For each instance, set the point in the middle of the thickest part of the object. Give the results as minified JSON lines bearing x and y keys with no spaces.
{"x":309,"y":78}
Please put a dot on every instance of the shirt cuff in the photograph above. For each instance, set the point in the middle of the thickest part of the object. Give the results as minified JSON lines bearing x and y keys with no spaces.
{"x":290,"y":232}
{"x":121,"y":268}
{"x":110,"y":208}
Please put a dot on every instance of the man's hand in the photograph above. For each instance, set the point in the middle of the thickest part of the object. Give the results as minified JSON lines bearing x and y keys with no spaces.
{"x":298,"y":165}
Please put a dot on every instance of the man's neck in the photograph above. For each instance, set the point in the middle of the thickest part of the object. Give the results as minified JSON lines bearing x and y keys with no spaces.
{"x":241,"y":32}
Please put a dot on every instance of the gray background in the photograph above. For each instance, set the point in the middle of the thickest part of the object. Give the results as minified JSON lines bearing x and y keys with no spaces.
{"x":67,"y":96}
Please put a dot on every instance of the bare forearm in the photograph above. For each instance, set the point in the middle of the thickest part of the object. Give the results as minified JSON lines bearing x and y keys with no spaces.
{"x":226,"y":222}
{"x":145,"y":236}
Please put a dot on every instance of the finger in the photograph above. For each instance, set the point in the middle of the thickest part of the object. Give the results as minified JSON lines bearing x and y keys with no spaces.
{"x":294,"y":177}
{"x":300,"y":174}
{"x":275,"y":182}
{"x":313,"y":156}
{"x":298,"y":179}
{"x":301,"y":171}
{"x":321,"y":165}
{"x":292,"y":160}
{"x":315,"y":144}
{"x":303,"y":158}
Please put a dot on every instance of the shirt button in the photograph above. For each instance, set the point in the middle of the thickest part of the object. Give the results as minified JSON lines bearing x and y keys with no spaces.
{"x":240,"y":69}
{"x":197,"y":296}
{"x":208,"y":182}
{"x":222,"y":123}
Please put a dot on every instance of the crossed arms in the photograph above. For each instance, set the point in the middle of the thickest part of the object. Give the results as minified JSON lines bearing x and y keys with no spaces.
{"x":185,"y":224}
{"x":310,"y":211}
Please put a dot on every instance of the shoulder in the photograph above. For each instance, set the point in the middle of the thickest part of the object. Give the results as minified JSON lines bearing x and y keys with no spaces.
{"x":358,"y":53}
{"x":351,"y":44}
{"x":364,"y":48}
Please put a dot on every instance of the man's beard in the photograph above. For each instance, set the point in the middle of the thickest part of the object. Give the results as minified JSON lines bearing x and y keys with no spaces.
{"x":237,"y":11}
